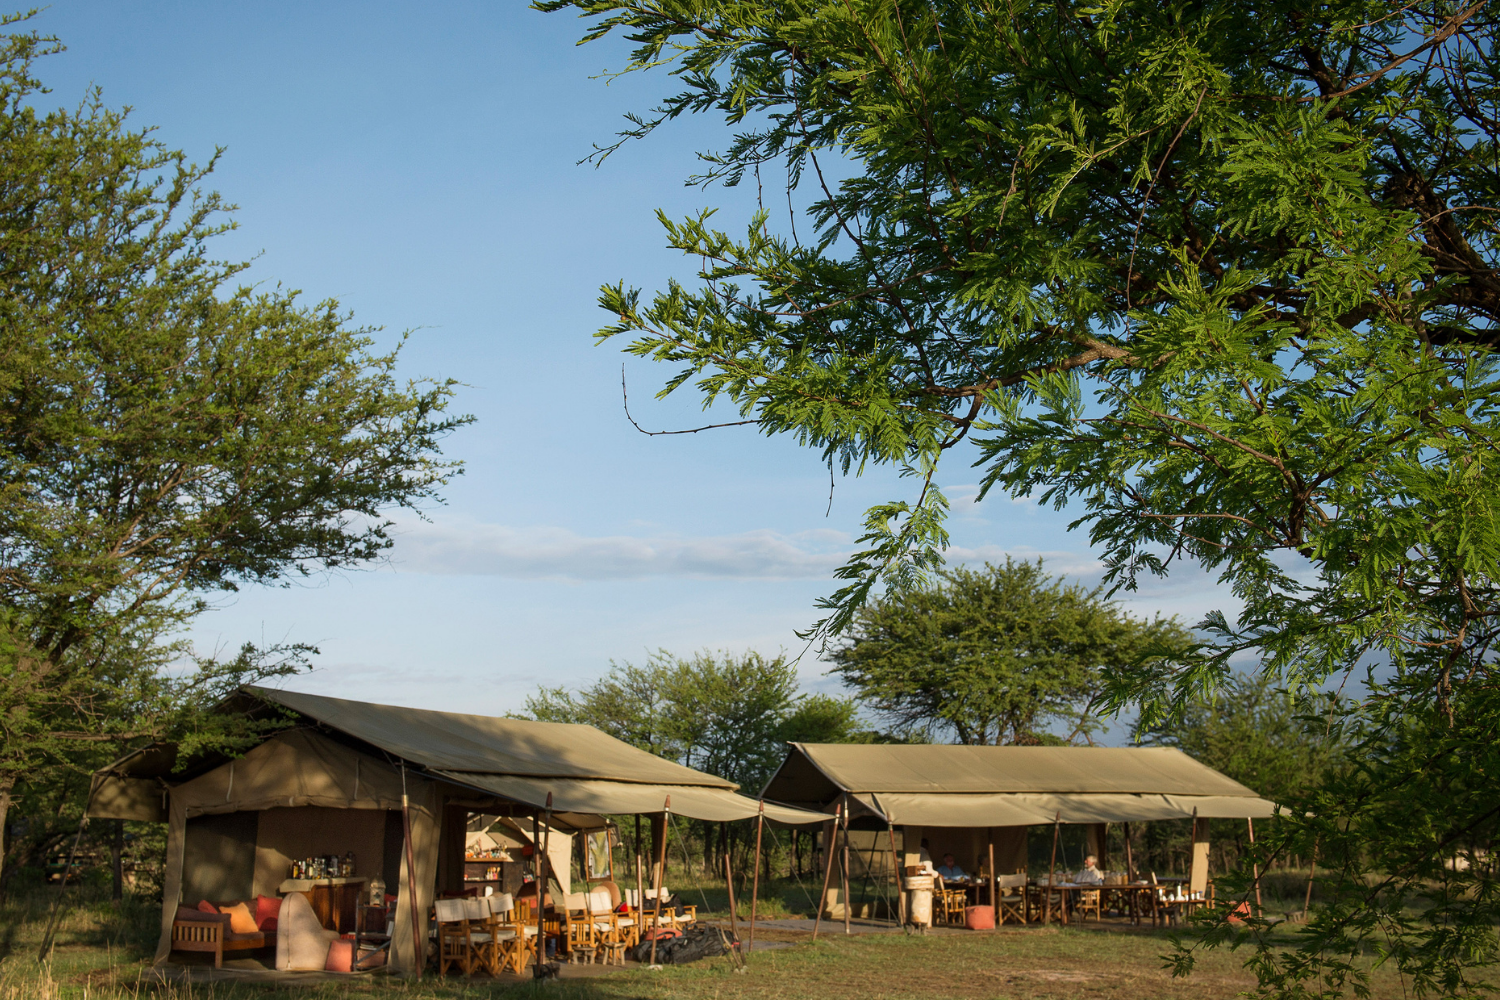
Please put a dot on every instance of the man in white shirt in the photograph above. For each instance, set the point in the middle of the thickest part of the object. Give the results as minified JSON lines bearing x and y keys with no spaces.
{"x":1091,"y":875}
{"x":949,"y":869}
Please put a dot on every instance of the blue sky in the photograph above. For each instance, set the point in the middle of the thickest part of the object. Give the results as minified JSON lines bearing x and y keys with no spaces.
{"x":419,"y":165}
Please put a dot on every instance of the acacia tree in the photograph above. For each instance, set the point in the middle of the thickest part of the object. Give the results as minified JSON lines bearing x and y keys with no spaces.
{"x":993,"y":656}
{"x":1222,"y":276}
{"x":164,"y":433}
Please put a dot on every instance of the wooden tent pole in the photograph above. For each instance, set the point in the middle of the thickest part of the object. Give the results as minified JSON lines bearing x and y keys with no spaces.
{"x":1056,"y":829}
{"x":844,"y":870}
{"x":661,"y":869}
{"x":1254,"y":865}
{"x":419,"y":954}
{"x":638,"y":855}
{"x":760,"y":822}
{"x":1311,"y":871}
{"x":896,"y":867}
{"x":541,"y":889}
{"x":994,"y":882}
{"x":827,"y":871}
{"x":1129,"y":872}
{"x":734,"y":920}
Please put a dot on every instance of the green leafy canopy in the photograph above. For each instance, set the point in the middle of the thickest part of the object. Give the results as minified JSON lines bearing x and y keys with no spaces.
{"x":1221,"y":277}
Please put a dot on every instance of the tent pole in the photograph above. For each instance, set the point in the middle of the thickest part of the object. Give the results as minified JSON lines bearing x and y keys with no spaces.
{"x":541,"y":889}
{"x":1129,"y":871}
{"x":890,"y":829}
{"x":760,"y":822}
{"x":419,"y":954}
{"x":994,"y":881}
{"x":640,"y":897}
{"x":1254,"y":865}
{"x":827,"y":871}
{"x":844,"y":868}
{"x":734,"y":920}
{"x":661,"y":867}
{"x":62,"y":886}
{"x":1052,"y":865}
{"x":1311,"y":871}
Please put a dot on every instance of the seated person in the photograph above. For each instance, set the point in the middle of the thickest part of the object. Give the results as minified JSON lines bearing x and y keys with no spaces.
{"x":924,"y":858}
{"x":1091,"y":875}
{"x":950,"y":871}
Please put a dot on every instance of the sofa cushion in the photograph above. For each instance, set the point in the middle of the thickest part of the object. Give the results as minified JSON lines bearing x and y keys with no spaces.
{"x":267,"y":908}
{"x":240,"y":920}
{"x":207,"y":907}
{"x":192,"y":913}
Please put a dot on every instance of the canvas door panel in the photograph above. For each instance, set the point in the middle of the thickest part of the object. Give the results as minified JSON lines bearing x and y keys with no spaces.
{"x":218,"y":862}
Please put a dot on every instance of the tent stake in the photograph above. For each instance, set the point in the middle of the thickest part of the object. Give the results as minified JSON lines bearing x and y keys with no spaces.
{"x":419,"y":954}
{"x":896,"y":867}
{"x":1052,"y":865}
{"x":760,"y":821}
{"x":844,"y":869}
{"x":827,"y":871}
{"x":661,"y":870}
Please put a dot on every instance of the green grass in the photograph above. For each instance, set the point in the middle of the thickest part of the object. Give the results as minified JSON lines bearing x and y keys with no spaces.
{"x":103,"y":953}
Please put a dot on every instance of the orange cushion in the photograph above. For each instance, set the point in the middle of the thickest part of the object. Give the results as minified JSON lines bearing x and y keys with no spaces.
{"x":340,"y":956}
{"x":241,"y":920}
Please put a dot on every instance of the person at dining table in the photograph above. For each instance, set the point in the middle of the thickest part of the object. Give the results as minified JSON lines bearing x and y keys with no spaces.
{"x":1091,"y":875}
{"x":950,"y":870}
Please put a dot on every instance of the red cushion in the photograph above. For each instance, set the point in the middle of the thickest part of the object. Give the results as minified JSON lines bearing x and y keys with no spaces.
{"x":207,"y":907}
{"x":340,"y":956}
{"x":269,"y":927}
{"x":267,"y":908}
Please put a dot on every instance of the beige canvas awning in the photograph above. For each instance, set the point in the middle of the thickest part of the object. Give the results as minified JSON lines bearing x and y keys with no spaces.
{"x":716,"y":805}
{"x":970,"y":786}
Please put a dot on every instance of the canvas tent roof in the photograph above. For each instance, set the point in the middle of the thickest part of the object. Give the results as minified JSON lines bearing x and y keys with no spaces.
{"x":488,"y":745}
{"x":1011,"y":786}
{"x":585,"y":770}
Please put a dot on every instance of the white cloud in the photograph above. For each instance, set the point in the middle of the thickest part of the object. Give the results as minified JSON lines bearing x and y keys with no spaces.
{"x":463,"y":547}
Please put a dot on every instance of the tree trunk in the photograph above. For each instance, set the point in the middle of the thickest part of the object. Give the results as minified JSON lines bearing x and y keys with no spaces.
{"x":7,"y":783}
{"x":117,"y":861}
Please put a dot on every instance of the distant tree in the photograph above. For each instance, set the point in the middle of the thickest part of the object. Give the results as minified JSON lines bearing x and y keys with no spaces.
{"x":993,"y":656}
{"x":164,"y":432}
{"x":1269,"y":739}
{"x":724,"y":713}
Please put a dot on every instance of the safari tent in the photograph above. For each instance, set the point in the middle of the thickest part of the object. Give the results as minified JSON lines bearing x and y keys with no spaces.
{"x":335,"y":780}
{"x":967,"y":799}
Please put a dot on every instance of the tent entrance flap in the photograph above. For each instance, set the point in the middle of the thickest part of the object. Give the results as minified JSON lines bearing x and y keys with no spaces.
{"x":716,"y":805}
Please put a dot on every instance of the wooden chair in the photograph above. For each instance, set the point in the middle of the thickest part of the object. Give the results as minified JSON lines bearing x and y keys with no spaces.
{"x":1089,"y":902}
{"x":578,"y":934}
{"x":507,"y":935}
{"x":1012,"y":901}
{"x":625,"y":922}
{"x":455,"y":947}
{"x":948,"y":903}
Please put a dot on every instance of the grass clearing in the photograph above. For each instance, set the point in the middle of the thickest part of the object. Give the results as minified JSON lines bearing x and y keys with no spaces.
{"x":103,"y":952}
